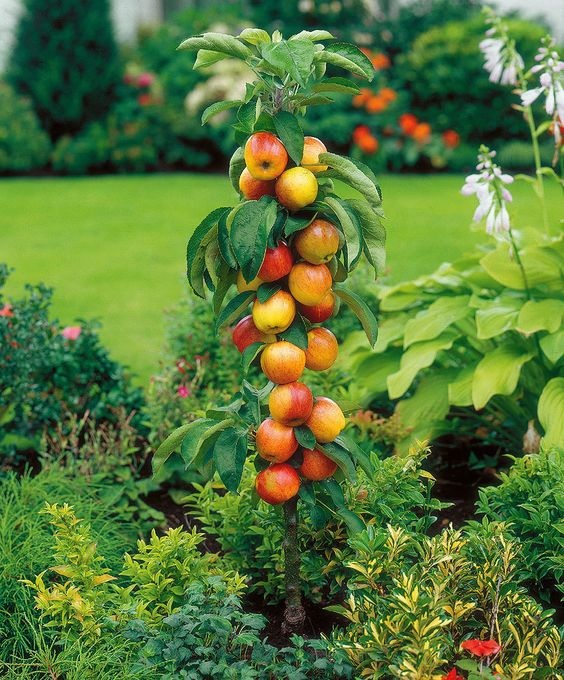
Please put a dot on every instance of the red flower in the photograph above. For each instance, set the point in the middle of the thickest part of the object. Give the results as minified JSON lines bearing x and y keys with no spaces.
{"x":183,"y":391}
{"x":451,"y":138}
{"x":145,"y":80}
{"x":481,"y":647}
{"x":360,"y":131}
{"x":368,"y":144}
{"x":145,"y":99}
{"x":453,"y":675}
{"x":6,"y":310}
{"x":408,"y":123}
{"x":422,"y":133}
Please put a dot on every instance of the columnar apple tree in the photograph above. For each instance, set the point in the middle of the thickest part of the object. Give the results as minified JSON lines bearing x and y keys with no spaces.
{"x":287,"y":247}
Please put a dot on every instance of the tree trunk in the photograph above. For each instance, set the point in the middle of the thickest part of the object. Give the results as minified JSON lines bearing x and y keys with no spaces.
{"x":294,"y":614}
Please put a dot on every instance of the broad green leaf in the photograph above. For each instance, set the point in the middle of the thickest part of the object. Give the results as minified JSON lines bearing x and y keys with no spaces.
{"x":544,"y":315}
{"x":217,"y":42}
{"x":362,"y":311}
{"x":351,"y":229}
{"x":291,"y":134}
{"x":347,"y":56}
{"x":372,"y":374}
{"x":497,"y":316}
{"x":250,"y":353}
{"x":391,"y":328}
{"x":551,"y":412}
{"x":296,"y":223}
{"x":171,"y":444}
{"x":294,"y":57}
{"x":229,"y":455}
{"x":305,"y":437}
{"x":206,"y":58}
{"x":314,"y":36}
{"x":498,"y":373}
{"x":234,"y":308}
{"x":336,"y":85}
{"x":416,"y":357}
{"x":349,"y":172}
{"x":249,"y":233}
{"x":254,"y":36}
{"x":236,"y":167}
{"x":296,"y":333}
{"x":431,"y":322}
{"x":195,"y":438}
{"x":553,"y":346}
{"x":541,"y":265}
{"x":460,"y":389}
{"x":204,"y":233}
{"x":218,"y":107}
{"x":373,"y":233}
{"x":340,"y":456}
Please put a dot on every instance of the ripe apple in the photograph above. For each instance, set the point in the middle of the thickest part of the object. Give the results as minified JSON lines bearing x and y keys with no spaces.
{"x":312,"y":148}
{"x":318,"y":242}
{"x":310,"y":283}
{"x":253,"y":189}
{"x":316,"y":465}
{"x":296,"y":188}
{"x":326,"y":420}
{"x":277,"y":263}
{"x":322,"y":349}
{"x":265,"y":156}
{"x":277,"y":484}
{"x":245,"y":333}
{"x":282,"y":362}
{"x":320,"y":312}
{"x":291,"y":404}
{"x":243,"y":286}
{"x":275,"y":441}
{"x":276,"y":314}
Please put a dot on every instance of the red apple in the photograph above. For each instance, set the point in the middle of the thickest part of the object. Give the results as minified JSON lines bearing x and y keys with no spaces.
{"x":265,"y":156}
{"x":276,"y":314}
{"x":326,"y":420}
{"x":322,"y":349}
{"x":309,"y":283}
{"x":277,"y":263}
{"x":296,"y":188}
{"x":310,"y":158}
{"x":282,"y":362}
{"x":253,"y":189}
{"x":275,"y":441}
{"x":320,"y":312}
{"x":316,"y":465}
{"x":291,"y":404}
{"x":318,"y":242}
{"x":277,"y":484}
{"x":246,"y":333}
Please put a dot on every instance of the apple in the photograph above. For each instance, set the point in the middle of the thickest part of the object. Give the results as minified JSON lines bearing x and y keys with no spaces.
{"x":265,"y":156}
{"x":326,"y":420}
{"x":276,"y":314}
{"x":246,"y":333}
{"x":277,"y":484}
{"x":316,"y":465}
{"x":312,"y":148}
{"x":320,"y":312}
{"x":318,"y":242}
{"x":291,"y":403}
{"x":277,"y":263}
{"x":296,"y":188}
{"x":322,"y":349}
{"x":243,"y":286}
{"x":253,"y":189}
{"x":309,"y":283}
{"x":275,"y":441}
{"x":282,"y":362}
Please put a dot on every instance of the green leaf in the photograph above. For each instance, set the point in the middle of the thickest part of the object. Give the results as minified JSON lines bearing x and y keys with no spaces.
{"x":362,"y":311}
{"x":229,"y":454}
{"x":373,"y":233}
{"x":351,"y":229}
{"x":497,"y":316}
{"x":227,"y":278}
{"x":460,"y":389}
{"x":296,"y":223}
{"x":542,"y":266}
{"x":249,"y":233}
{"x":195,"y":438}
{"x":250,"y":354}
{"x":551,"y":412}
{"x":266,"y":290}
{"x":498,"y":373}
{"x":305,"y":437}
{"x":234,"y":308}
{"x":217,"y":42}
{"x":291,"y":134}
{"x":544,"y":315}
{"x":336,"y":85}
{"x":224,"y":242}
{"x":254,"y":36}
{"x":236,"y":167}
{"x":171,"y":444}
{"x":206,"y":58}
{"x":314,"y":36}
{"x":350,"y":172}
{"x":296,"y":333}
{"x":351,"y":519}
{"x":204,"y":233}
{"x":294,"y":57}
{"x":356,"y":452}
{"x":218,"y":107}
{"x":553,"y":346}
{"x":347,"y":56}
{"x":431,"y":322}
{"x":340,"y":456}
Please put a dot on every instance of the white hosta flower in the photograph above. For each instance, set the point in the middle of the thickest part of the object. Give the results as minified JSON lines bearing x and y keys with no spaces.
{"x":551,"y":80}
{"x":489,"y":188}
{"x":502,"y":61}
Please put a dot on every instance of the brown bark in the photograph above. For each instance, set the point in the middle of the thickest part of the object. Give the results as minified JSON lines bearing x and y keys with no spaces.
{"x":294,"y":614}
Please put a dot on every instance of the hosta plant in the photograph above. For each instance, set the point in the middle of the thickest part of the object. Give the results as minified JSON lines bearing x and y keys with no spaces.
{"x":287,"y":246}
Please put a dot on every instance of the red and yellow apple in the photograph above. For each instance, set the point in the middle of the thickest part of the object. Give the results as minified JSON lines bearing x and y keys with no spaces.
{"x":253,"y":189}
{"x":291,"y":403}
{"x":326,"y":420}
{"x":282,"y":362}
{"x":310,"y":158}
{"x":275,"y":441}
{"x":243,"y":286}
{"x":316,"y":465}
{"x":277,"y":484}
{"x":318,"y":242}
{"x":320,"y":312}
{"x":322,"y":349}
{"x":277,"y":263}
{"x":296,"y":188}
{"x":246,"y":333}
{"x":265,"y":156}
{"x":309,"y":283}
{"x":276,"y":314}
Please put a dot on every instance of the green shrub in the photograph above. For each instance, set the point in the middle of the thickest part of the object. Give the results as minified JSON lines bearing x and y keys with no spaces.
{"x":65,"y":59}
{"x":24,"y":146}
{"x":530,"y":500}
{"x":519,"y":155}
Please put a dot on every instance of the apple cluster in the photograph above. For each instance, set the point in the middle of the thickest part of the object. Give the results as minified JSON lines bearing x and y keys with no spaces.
{"x":299,"y":267}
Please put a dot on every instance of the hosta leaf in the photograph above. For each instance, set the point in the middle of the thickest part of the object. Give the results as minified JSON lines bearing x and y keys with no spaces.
{"x":171,"y":444}
{"x":218,"y":107}
{"x":362,"y":311}
{"x":551,"y":412}
{"x":236,"y":167}
{"x":234,"y":308}
{"x":373,"y":233}
{"x":460,"y":389}
{"x":349,"y":172}
{"x":542,"y":315}
{"x":431,"y":322}
{"x":553,"y":346}
{"x":542,"y":266}
{"x":498,"y":373}
{"x":291,"y":135}
{"x":347,"y":56}
{"x":336,"y":85}
{"x":217,"y":42}
{"x":497,"y":316}
{"x":249,"y":234}
{"x":294,"y":57}
{"x":254,"y":36}
{"x":351,"y":229}
{"x":229,"y":455}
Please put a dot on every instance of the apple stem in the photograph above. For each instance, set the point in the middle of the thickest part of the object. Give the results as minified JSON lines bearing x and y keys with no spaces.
{"x":294,"y":614}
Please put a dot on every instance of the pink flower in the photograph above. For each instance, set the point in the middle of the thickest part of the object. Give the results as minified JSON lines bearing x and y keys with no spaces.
{"x":7,"y":310}
{"x":145,"y":80}
{"x":71,"y":332}
{"x":183,"y":391}
{"x":481,"y":647}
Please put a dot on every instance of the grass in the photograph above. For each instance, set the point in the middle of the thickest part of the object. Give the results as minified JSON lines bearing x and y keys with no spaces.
{"x":114,"y":247}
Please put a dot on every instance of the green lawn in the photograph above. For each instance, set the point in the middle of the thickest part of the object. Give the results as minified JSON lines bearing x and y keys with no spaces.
{"x":114,"y":247}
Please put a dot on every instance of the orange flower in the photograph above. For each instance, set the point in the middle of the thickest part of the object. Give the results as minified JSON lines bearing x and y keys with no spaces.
{"x":360,"y":132}
{"x":368,"y":144}
{"x":388,"y":94}
{"x":376,"y":104}
{"x":408,"y":123}
{"x":367,"y":51}
{"x":422,"y":133}
{"x":362,"y":97}
{"x":380,"y":61}
{"x":145,"y":99}
{"x":481,"y":647}
{"x":451,"y":138}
